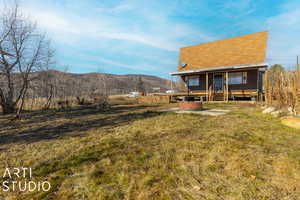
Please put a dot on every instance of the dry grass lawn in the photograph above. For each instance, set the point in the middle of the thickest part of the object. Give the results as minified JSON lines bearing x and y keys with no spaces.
{"x":133,"y":153}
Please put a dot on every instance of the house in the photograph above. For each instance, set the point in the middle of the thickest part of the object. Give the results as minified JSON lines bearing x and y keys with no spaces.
{"x":229,"y":69}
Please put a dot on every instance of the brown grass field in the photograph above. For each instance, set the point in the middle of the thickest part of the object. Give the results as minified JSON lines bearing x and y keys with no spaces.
{"x":133,"y":153}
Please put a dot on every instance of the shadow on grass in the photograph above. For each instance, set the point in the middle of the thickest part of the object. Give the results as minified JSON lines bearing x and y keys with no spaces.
{"x":86,"y":118}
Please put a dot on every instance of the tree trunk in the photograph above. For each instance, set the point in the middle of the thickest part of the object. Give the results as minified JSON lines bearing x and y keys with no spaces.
{"x":22,"y":98}
{"x":8,"y":109}
{"x":48,"y":103}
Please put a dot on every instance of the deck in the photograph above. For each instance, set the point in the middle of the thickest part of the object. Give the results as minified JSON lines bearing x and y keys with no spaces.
{"x":219,"y":96}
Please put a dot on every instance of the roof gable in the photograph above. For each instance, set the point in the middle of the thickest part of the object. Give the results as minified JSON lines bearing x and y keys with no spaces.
{"x":241,"y":50}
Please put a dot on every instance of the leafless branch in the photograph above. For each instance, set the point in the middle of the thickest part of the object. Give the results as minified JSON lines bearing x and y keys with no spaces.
{"x":23,"y":50}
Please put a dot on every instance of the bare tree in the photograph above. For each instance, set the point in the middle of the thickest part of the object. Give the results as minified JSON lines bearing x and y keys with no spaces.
{"x":46,"y":86}
{"x":140,"y":85}
{"x":23,"y":50}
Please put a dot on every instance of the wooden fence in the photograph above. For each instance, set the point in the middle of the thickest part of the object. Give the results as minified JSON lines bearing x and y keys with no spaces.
{"x":154,"y":99}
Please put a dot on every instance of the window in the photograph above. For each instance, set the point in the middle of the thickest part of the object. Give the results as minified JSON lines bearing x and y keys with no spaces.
{"x":193,"y":80}
{"x":237,"y":78}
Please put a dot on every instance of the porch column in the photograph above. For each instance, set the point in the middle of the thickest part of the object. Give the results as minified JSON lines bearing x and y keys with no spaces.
{"x":188,"y":85}
{"x":207,"y":86}
{"x":227,"y":95}
{"x":257,"y":86}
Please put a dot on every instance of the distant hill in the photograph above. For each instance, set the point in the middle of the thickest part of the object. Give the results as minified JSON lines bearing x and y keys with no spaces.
{"x":71,"y":84}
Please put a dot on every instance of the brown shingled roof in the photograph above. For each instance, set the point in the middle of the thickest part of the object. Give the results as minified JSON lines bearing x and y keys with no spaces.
{"x":241,"y":50}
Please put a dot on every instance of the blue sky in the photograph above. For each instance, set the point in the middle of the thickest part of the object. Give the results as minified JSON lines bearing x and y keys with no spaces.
{"x":143,"y":36}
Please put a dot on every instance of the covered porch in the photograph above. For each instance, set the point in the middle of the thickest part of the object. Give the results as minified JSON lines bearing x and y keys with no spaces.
{"x":223,"y":83}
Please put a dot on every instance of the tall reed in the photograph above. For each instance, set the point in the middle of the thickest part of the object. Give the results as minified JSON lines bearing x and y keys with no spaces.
{"x":282,"y":89}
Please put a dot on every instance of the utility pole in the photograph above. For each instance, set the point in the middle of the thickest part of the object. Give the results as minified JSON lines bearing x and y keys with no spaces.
{"x":171,"y":82}
{"x":297,"y":63}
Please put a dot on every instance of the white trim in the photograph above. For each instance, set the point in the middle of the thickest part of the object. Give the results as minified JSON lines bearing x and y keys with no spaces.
{"x":220,"y":68}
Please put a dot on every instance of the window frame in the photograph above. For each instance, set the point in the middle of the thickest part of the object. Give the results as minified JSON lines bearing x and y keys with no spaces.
{"x":243,"y":75}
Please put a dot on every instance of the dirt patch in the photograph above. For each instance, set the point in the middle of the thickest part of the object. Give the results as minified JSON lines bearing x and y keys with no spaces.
{"x":293,"y":122}
{"x":209,"y":112}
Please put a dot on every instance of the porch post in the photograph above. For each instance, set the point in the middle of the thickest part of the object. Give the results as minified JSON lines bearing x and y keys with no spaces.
{"x":188,"y":85}
{"x":227,"y":95}
{"x":206,"y":86}
{"x":257,"y":86}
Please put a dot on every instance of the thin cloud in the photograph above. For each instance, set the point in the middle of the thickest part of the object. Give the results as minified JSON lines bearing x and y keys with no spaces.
{"x":111,"y":63}
{"x":238,"y":9}
{"x":150,"y":28}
